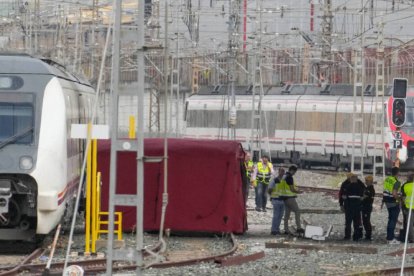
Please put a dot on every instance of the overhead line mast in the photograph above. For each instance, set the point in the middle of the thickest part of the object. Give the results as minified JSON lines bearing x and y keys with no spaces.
{"x":379,"y":150}
{"x":358,"y":107}
{"x":234,"y":21}
{"x":326,"y":55}
{"x":256,"y":131}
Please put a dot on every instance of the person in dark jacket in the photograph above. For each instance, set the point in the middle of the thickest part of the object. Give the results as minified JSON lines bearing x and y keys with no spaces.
{"x":367,"y":201}
{"x":353,"y":204}
{"x":342,"y":191}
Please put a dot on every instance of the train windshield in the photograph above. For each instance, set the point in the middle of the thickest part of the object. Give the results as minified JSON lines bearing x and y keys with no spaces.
{"x":16,"y":119}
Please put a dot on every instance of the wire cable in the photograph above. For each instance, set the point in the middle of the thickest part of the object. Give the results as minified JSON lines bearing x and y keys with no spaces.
{"x":88,"y":144}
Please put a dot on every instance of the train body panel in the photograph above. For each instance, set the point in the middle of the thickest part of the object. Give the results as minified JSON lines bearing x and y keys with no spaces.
{"x":303,"y":128}
{"x":52,"y":166}
{"x":43,"y":164}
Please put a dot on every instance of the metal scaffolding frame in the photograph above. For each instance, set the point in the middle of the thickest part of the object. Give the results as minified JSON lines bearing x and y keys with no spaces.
{"x":256,"y":131}
{"x":358,"y":108}
{"x":127,"y":254}
{"x":379,"y":125}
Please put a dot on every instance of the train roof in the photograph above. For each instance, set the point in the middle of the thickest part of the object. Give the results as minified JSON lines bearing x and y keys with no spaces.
{"x":26,"y":64}
{"x":293,"y":89}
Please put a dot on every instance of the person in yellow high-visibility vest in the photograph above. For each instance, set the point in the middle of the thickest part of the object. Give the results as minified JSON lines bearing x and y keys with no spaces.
{"x":407,"y":191}
{"x":249,"y":167}
{"x":392,"y":187}
{"x":289,"y":193}
{"x":262,"y":174}
{"x":275,"y":192}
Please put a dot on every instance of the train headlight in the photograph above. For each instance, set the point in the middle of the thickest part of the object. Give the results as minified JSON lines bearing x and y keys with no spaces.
{"x":26,"y":162}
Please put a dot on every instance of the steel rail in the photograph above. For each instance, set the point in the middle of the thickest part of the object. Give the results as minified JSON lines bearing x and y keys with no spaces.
{"x":17,"y":269}
{"x":91,"y":267}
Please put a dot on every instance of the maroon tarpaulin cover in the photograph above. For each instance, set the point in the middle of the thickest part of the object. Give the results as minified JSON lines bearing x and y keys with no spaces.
{"x":205,"y":185}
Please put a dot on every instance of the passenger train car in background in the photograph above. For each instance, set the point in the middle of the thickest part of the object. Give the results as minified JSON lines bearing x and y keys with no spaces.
{"x":303,"y":124}
{"x":40,"y":164}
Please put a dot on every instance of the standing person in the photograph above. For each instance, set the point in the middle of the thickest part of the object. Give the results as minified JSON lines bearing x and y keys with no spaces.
{"x":367,"y":201}
{"x":407,"y":191}
{"x":404,"y":209}
{"x":263,"y":172}
{"x":249,"y":166}
{"x":289,"y":194}
{"x":353,"y":204}
{"x":342,"y":191}
{"x":390,"y":198}
{"x":275,"y":193}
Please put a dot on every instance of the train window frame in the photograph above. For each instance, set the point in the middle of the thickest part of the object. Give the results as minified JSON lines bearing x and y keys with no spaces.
{"x":22,"y":99}
{"x":15,"y":84}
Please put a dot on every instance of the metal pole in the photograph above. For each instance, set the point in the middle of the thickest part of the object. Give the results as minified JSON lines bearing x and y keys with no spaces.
{"x":114,"y":133}
{"x":140,"y":138}
{"x":177,"y":103}
{"x":88,"y":191}
{"x":166,"y":71}
{"x":37,"y":25}
{"x":82,"y":175}
{"x":407,"y":232}
{"x":231,"y":60}
{"x":75,"y":59}
{"x":362,"y":146}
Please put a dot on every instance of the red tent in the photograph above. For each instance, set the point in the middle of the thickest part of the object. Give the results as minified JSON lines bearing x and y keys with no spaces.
{"x":205,"y":185}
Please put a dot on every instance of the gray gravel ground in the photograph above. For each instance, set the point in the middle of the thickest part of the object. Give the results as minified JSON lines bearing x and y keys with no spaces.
{"x":281,"y":261}
{"x":298,"y":261}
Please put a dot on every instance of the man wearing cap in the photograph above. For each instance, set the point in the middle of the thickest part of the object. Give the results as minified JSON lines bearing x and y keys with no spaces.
{"x":353,"y":204}
{"x":367,"y":201}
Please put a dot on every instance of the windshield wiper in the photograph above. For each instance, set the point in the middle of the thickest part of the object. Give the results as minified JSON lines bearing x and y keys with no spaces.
{"x":15,"y":137}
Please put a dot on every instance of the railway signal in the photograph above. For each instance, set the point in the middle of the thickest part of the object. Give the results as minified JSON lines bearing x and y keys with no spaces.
{"x":398,"y":112}
{"x":399,"y":94}
{"x":399,"y":90}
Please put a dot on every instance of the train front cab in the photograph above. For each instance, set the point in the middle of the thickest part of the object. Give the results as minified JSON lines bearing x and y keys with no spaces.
{"x":18,"y":152}
{"x":406,"y":153}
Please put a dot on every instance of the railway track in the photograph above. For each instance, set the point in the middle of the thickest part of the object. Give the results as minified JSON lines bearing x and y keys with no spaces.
{"x":91,"y":267}
{"x":15,"y":270}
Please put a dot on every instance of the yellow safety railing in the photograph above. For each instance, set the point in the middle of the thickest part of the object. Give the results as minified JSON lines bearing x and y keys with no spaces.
{"x":101,"y":222}
{"x":94,"y":222}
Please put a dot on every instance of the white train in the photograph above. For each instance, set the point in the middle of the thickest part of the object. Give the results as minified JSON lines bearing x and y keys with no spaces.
{"x":40,"y":164}
{"x":302,"y":124}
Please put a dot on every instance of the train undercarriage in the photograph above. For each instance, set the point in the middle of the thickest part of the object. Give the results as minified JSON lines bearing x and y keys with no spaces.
{"x":18,"y":213}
